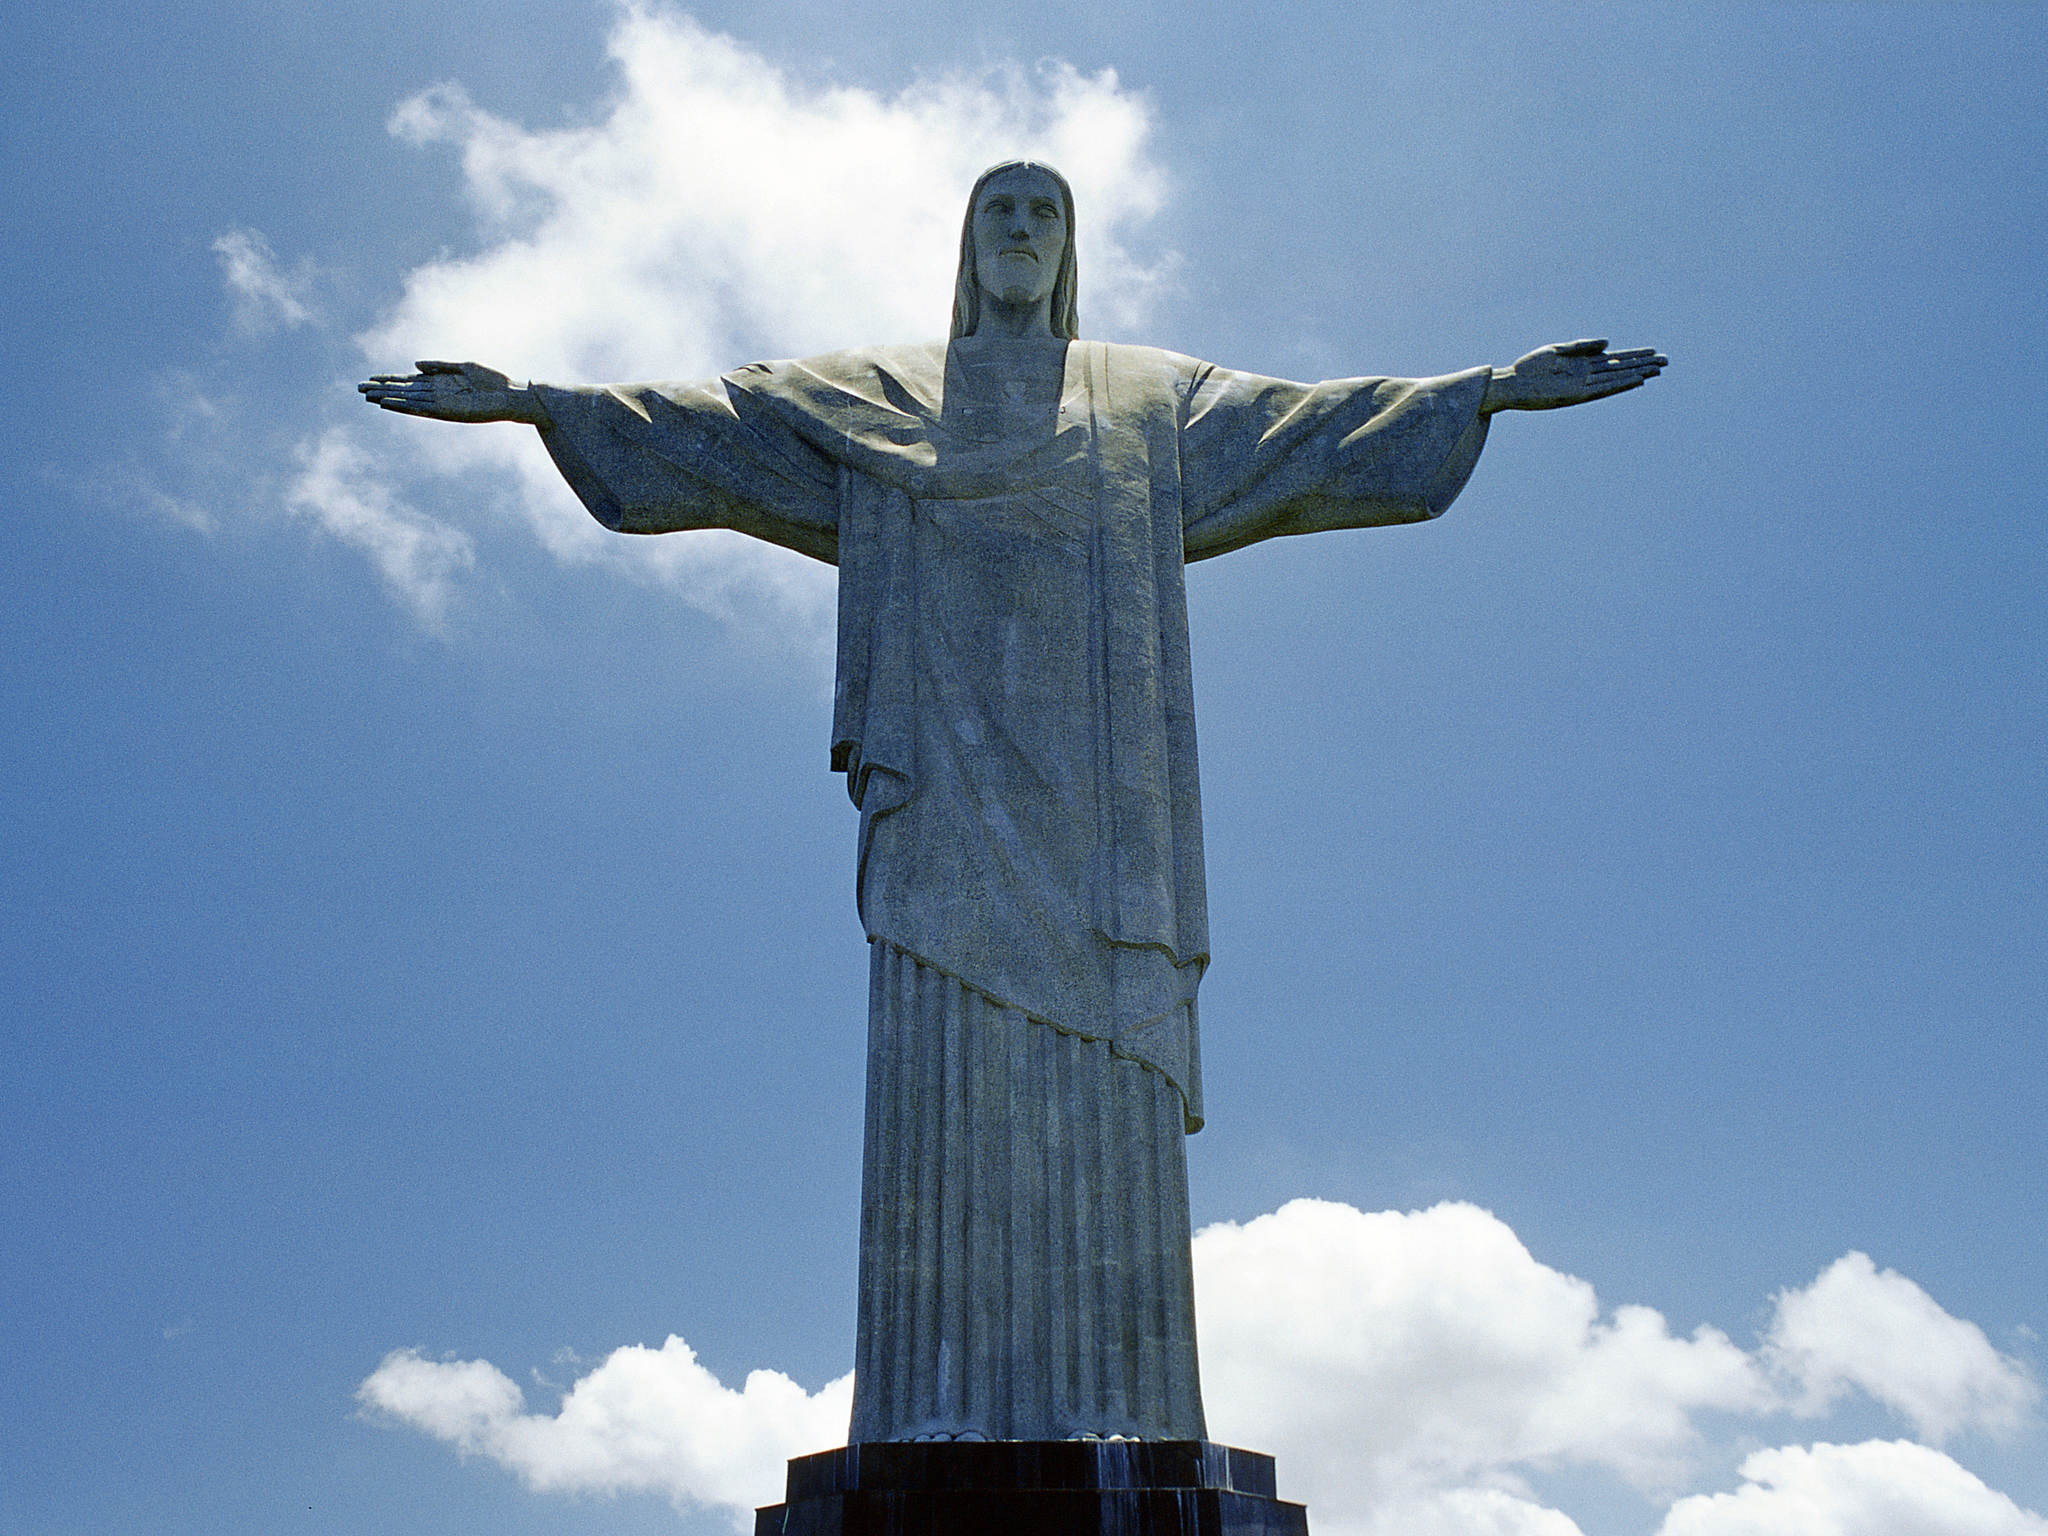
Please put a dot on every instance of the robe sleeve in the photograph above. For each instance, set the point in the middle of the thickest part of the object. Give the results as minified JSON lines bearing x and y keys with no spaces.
{"x":659,"y":458}
{"x":1262,"y":457}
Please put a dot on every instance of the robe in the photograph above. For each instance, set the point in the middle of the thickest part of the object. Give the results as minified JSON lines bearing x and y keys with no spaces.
{"x":1014,"y":715}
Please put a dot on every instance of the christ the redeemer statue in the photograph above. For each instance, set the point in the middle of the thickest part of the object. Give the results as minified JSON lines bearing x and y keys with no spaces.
{"x":1010,"y":513}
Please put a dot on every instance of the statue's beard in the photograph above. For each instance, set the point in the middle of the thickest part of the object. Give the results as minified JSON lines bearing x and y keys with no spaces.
{"x":1014,"y":282}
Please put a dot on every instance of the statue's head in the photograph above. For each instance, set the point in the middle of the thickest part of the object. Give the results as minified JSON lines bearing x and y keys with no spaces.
{"x":1017,"y":245}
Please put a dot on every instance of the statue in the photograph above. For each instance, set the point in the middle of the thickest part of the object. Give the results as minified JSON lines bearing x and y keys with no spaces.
{"x":1010,"y":513}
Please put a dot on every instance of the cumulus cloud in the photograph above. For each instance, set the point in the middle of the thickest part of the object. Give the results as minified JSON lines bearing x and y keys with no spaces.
{"x":1858,"y":1327}
{"x":1414,"y":1364}
{"x":645,"y":1420}
{"x":715,"y":210}
{"x":263,"y":295}
{"x":1443,"y":1512}
{"x":721,"y":211}
{"x":1878,"y":1488}
{"x":1415,"y":1373}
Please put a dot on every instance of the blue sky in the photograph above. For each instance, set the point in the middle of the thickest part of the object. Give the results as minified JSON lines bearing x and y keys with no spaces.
{"x":426,"y":922}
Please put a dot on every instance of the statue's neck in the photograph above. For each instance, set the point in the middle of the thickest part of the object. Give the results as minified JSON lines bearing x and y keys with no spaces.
{"x":1020,"y":320}
{"x":985,"y":341}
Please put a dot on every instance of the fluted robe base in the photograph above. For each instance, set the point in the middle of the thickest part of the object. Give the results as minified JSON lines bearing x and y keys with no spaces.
{"x":1067,"y":1488}
{"x":1024,"y":1261}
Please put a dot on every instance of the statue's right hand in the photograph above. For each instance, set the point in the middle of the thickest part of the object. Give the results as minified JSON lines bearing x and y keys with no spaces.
{"x":452,"y":392}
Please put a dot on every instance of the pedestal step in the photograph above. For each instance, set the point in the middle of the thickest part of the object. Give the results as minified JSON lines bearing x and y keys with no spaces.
{"x":1033,"y":1488}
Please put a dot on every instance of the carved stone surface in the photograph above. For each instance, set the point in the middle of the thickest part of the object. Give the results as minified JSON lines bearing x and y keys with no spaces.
{"x":1011,"y":512}
{"x":1025,"y":1268}
{"x":1015,"y":717}
{"x":1033,"y":1488}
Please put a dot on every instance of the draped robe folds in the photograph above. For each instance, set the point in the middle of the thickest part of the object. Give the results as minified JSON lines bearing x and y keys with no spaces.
{"x":1014,"y":716}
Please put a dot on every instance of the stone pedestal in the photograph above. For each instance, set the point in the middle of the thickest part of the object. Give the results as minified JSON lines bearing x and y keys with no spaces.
{"x":1033,"y":1488}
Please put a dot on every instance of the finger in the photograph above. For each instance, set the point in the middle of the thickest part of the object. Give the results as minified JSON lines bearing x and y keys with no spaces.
{"x":1582,"y":348}
{"x":1630,"y":354}
{"x":431,"y":366}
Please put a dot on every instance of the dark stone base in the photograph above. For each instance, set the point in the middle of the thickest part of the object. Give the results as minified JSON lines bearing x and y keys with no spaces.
{"x":1033,"y":1488}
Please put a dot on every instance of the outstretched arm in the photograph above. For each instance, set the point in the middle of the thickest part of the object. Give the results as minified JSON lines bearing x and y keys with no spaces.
{"x":1569,"y":373}
{"x":649,"y":458}
{"x":1264,"y":458}
{"x":455,"y":392}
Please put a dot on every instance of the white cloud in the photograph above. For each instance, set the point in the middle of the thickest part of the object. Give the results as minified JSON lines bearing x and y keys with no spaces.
{"x":646,"y":1420}
{"x":1398,"y":1359}
{"x":1878,"y":1488}
{"x":721,"y":210}
{"x":340,"y":489}
{"x":263,"y":296}
{"x":1859,"y":1327}
{"x":1443,"y":1512}
{"x":718,"y":212}
{"x":1413,"y":1373}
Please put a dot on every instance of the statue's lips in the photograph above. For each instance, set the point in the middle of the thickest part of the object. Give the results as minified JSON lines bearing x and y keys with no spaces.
{"x":1018,"y":250}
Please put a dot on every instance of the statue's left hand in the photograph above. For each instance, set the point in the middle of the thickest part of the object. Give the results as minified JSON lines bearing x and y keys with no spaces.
{"x":454,"y":392}
{"x":1570,"y":373}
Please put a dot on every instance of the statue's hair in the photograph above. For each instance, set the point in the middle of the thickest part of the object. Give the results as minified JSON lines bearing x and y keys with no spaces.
{"x":967,"y":287}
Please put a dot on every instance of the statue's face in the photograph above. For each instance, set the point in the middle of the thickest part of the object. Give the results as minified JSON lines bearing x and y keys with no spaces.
{"x":1020,"y":234}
